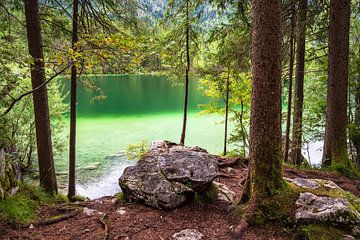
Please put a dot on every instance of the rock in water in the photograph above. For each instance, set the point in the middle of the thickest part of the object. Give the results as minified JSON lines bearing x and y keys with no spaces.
{"x":325,"y":209}
{"x":188,"y":234}
{"x":169,"y":175}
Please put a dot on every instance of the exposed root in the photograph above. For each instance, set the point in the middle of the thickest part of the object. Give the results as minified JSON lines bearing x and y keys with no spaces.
{"x":224,"y":162}
{"x":106,"y":227}
{"x":73,"y":212}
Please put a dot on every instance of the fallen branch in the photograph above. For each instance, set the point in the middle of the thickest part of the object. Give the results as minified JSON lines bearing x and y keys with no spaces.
{"x":106,"y":227}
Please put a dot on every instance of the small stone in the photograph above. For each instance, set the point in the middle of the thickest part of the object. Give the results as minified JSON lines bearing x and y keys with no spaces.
{"x":88,"y":211}
{"x":121,"y":211}
{"x":188,"y":234}
{"x":331,"y":185}
{"x":98,"y":201}
{"x":31,"y":226}
{"x":348,"y":237}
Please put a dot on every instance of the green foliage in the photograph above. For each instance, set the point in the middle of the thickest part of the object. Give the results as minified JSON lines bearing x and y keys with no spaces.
{"x":320,"y":232}
{"x":120,"y":196}
{"x":21,"y":207}
{"x":138,"y":150}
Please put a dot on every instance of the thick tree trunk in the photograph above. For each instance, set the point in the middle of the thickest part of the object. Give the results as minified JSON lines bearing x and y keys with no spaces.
{"x":335,"y":145}
{"x":72,"y":150}
{"x":291,"y":69}
{"x":296,"y":144}
{"x":187,"y":70}
{"x":265,"y":170}
{"x":226,"y":112}
{"x":40,"y":97}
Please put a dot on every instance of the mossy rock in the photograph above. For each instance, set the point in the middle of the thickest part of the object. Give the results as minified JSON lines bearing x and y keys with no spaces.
{"x":10,"y":176}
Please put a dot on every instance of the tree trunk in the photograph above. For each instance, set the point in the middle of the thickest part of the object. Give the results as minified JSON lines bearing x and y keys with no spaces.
{"x":265,"y":170}
{"x":72,"y":150}
{"x":291,"y":69}
{"x":335,"y":145}
{"x":296,"y":144}
{"x":187,"y":70}
{"x":226,"y":112}
{"x":40,"y":98}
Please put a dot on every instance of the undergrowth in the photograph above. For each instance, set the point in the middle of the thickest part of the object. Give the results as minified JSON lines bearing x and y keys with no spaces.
{"x":21,"y":207}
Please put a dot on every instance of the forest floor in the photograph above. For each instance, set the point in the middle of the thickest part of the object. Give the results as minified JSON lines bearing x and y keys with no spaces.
{"x":109,"y":218}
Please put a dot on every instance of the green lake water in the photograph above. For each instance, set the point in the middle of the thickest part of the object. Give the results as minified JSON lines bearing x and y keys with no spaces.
{"x":137,"y":107}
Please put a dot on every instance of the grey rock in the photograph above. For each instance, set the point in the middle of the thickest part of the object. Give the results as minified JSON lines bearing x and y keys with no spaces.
{"x":325,"y":209}
{"x":356,"y":231}
{"x":225,"y":193}
{"x":169,"y":175}
{"x":188,"y":234}
{"x":304,"y":182}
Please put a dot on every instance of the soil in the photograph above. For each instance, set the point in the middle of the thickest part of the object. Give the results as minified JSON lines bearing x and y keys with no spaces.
{"x":214,"y":220}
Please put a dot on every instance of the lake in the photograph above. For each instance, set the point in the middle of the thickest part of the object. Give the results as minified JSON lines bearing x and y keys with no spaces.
{"x":137,"y":108}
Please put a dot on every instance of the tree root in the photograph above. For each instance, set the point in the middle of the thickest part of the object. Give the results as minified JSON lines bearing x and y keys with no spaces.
{"x":222,"y":163}
{"x":73,"y":212}
{"x":106,"y":227}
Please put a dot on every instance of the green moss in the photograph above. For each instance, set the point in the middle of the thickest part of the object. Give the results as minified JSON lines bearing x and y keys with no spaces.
{"x":21,"y":207}
{"x":320,"y":232}
{"x":78,"y":198}
{"x":120,"y":197}
{"x":206,"y":197}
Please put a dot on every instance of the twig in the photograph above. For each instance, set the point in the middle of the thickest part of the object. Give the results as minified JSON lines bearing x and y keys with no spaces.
{"x":106,"y":227}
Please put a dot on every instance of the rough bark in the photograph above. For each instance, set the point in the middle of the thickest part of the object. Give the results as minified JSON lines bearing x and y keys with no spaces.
{"x":265,"y":170}
{"x":40,"y":98}
{"x":335,"y":145}
{"x":296,"y":145}
{"x":226,"y":112}
{"x":187,"y":70}
{"x":291,"y":70}
{"x":73,"y":99}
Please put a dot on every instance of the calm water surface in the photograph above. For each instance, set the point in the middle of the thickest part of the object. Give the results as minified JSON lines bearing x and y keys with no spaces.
{"x":136,"y":108}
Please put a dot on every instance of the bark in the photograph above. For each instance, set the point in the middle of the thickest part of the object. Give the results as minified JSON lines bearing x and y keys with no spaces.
{"x":187,"y":70}
{"x":265,"y":170}
{"x":335,"y":145}
{"x":73,"y":100}
{"x":226,"y":112}
{"x":291,"y":69}
{"x":40,"y":98}
{"x":296,"y":144}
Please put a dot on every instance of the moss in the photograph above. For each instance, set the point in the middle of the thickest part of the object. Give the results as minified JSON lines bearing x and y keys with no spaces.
{"x":206,"y":197}
{"x":320,"y":232}
{"x":78,"y":198}
{"x":120,"y":197}
{"x":21,"y":207}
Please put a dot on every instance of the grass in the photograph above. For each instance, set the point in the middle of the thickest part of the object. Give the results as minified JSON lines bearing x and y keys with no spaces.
{"x":21,"y":207}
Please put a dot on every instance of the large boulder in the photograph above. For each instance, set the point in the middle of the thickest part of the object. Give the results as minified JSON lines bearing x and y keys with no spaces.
{"x":169,"y":175}
{"x":325,"y":209}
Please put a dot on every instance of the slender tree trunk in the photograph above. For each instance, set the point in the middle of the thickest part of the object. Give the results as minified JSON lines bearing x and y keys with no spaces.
{"x":291,"y":69}
{"x":226,"y":112}
{"x":183,"y":132}
{"x":265,"y":170}
{"x":40,"y":98}
{"x":335,"y":145}
{"x":73,"y":100}
{"x":296,"y":144}
{"x":356,"y":140}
